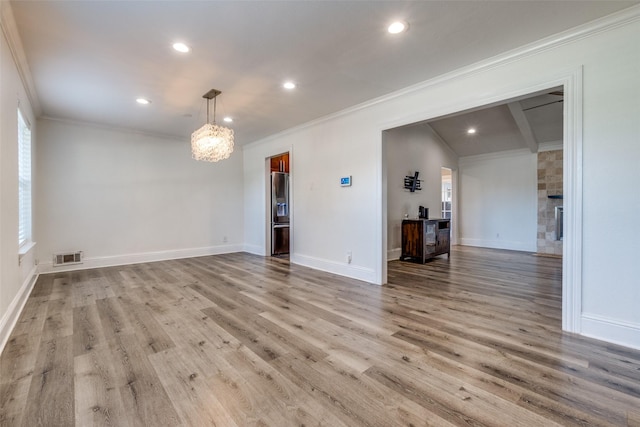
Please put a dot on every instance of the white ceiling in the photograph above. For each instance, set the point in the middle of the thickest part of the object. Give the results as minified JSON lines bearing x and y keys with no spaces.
{"x":90,"y":59}
{"x":498,"y":130}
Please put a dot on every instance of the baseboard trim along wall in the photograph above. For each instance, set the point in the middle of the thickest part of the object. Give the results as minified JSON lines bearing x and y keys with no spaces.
{"x":393,"y":254}
{"x":614,"y":331}
{"x":255,"y":250}
{"x":499,"y":244}
{"x":347,"y":270}
{"x":110,"y":261}
{"x":10,"y":318}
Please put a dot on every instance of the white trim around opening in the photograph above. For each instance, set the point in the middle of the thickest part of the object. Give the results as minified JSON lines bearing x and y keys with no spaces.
{"x":571,"y":80}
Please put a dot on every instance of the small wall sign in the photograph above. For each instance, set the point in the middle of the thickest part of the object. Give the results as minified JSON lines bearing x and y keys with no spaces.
{"x":345,"y":181}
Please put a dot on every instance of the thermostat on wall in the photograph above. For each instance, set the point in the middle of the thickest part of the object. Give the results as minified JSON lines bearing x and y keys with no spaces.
{"x":345,"y":181}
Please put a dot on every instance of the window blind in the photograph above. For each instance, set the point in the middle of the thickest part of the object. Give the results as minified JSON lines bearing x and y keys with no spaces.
{"x":24,"y":181}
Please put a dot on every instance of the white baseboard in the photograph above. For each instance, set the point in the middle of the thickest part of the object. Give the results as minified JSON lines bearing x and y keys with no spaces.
{"x":611,"y":330}
{"x":254,"y":249}
{"x":347,"y":270}
{"x":393,"y":254}
{"x":110,"y":261}
{"x":10,"y":318}
{"x":499,"y":244}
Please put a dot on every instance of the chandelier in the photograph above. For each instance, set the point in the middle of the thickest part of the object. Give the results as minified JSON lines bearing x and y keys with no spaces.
{"x":211,"y":142}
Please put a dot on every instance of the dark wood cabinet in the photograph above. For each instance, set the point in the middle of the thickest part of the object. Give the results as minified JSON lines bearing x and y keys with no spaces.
{"x":425,"y":238}
{"x":280,"y":163}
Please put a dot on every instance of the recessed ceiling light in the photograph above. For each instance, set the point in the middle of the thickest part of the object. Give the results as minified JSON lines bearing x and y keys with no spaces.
{"x":228,"y":119}
{"x":289,"y":85}
{"x":181,"y":47}
{"x":471,"y":131}
{"x":398,"y":27}
{"x":143,"y":101}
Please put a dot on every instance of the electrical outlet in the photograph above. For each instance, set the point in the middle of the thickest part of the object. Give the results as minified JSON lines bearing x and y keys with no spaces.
{"x":224,"y":239}
{"x":497,"y":235}
{"x":349,"y":257}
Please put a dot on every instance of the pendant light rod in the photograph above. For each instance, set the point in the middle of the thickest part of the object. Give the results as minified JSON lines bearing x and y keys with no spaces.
{"x":209,"y":96}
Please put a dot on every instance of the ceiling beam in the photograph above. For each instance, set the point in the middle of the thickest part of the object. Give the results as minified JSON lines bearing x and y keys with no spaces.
{"x":524,"y":126}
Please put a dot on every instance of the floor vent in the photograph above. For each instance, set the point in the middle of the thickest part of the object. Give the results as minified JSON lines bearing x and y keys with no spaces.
{"x":68,"y":258}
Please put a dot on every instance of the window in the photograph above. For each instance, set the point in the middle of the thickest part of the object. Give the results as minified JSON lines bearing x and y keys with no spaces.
{"x":24,"y":181}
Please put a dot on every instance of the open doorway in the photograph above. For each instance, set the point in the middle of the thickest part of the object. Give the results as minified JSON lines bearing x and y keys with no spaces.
{"x":446,"y":209}
{"x":569,"y":142}
{"x":280,"y":205}
{"x":504,"y":161}
{"x":447,"y":193}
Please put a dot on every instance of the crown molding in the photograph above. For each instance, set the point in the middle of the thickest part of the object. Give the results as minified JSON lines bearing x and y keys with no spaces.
{"x":111,"y":128}
{"x":10,"y":31}
{"x":606,"y":23}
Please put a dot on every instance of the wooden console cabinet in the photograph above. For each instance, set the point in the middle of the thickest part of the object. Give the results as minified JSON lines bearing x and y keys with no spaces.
{"x":425,"y":238}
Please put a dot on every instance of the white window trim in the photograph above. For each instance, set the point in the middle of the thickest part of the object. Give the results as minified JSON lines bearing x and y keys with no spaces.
{"x":25,"y":219}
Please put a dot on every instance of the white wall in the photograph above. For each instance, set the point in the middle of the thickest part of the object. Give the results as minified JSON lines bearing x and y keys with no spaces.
{"x":409,"y":149}
{"x":15,"y":276}
{"x":330,"y":220}
{"x":498,"y":200}
{"x":611,"y":292}
{"x":124,"y":197}
{"x":327,"y":220}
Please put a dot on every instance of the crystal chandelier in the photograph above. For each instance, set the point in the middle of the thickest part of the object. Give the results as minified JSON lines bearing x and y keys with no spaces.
{"x":211,"y":142}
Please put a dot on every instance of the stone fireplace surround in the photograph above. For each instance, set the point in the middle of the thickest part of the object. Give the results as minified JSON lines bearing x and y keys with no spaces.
{"x":549,"y":197}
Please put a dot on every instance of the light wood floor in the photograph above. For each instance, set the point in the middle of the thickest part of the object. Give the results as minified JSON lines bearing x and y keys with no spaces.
{"x":241,"y":340}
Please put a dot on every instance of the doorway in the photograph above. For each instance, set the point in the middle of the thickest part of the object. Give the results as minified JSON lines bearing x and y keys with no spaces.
{"x":280,"y":205}
{"x":571,"y":85}
{"x":446,"y":209}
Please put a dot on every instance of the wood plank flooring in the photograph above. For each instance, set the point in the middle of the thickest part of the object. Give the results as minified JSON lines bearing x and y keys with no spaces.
{"x":241,"y":340}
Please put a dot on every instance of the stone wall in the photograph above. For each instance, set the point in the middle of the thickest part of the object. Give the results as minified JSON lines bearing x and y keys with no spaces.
{"x":549,"y":184}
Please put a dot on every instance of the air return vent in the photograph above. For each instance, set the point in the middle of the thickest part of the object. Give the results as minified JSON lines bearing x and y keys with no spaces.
{"x":68,"y":258}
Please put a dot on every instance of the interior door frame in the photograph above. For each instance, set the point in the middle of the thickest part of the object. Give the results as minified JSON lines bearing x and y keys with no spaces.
{"x":454,"y":216}
{"x":267,"y":161}
{"x":571,"y":80}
